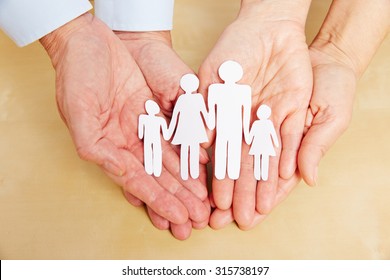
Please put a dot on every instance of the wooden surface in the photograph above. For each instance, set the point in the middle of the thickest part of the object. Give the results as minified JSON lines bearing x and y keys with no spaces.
{"x":55,"y":206}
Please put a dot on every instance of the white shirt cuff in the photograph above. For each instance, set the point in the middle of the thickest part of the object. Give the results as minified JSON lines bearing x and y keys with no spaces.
{"x":136,"y":15}
{"x":26,"y":21}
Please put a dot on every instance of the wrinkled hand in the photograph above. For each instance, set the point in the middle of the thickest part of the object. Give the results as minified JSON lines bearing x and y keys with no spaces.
{"x":276,"y":63}
{"x":163,"y":69}
{"x":100,"y":94}
{"x":328,"y":116}
{"x":330,"y":107}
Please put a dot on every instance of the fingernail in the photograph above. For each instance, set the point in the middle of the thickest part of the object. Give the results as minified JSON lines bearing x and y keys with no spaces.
{"x":113,"y":169}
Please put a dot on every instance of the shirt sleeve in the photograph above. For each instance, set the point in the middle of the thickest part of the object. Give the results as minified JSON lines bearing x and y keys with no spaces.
{"x":136,"y":15}
{"x":25,"y":21}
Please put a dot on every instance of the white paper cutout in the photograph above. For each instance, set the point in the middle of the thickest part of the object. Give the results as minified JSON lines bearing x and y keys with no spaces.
{"x":149,"y":128}
{"x":229,"y":110}
{"x":263,"y":138}
{"x":190,"y":130}
{"x":229,"y":113}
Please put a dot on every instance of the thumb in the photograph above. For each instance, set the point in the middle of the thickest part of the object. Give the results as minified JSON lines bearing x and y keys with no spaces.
{"x":105,"y":154}
{"x":317,"y":141}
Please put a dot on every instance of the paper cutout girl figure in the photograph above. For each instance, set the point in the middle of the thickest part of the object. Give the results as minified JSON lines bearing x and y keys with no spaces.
{"x":263,"y":137}
{"x":149,"y":128}
{"x":233,"y":102}
{"x":190,"y":129}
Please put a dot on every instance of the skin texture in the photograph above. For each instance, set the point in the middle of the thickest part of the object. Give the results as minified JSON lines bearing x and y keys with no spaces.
{"x":276,"y":63}
{"x":338,"y":57}
{"x":100,"y":93}
{"x":103,"y":80}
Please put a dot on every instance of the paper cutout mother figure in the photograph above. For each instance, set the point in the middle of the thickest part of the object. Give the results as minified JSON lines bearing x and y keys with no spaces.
{"x":149,"y":128}
{"x":190,"y":129}
{"x":230,"y":104}
{"x":262,"y":134}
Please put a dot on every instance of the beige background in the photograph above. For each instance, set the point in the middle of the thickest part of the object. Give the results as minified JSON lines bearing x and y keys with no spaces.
{"x":55,"y":206}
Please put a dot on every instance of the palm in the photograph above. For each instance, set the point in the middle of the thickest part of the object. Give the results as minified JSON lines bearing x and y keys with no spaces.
{"x":163,"y":69}
{"x":329,"y":112}
{"x":100,"y":94}
{"x":276,"y":64}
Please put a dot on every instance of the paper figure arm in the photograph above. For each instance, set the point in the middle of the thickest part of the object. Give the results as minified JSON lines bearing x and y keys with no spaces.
{"x":273,"y":134}
{"x":141,"y":125}
{"x":203,"y":111}
{"x":172,"y":124}
{"x":164,"y":129}
{"x":211,"y":101}
{"x":251,"y":134}
{"x":247,"y":105}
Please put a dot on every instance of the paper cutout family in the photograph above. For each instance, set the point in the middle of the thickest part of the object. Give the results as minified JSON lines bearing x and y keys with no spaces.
{"x":229,"y":113}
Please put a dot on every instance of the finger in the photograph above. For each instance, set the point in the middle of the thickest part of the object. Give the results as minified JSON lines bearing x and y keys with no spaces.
{"x":266,"y":190}
{"x":284,"y":189}
{"x":198,"y":212}
{"x":168,"y":181}
{"x":147,"y":189}
{"x":221,"y":218}
{"x":204,"y":157}
{"x":132,"y":199}
{"x":244,"y":197}
{"x":158,"y":221}
{"x":211,"y":199}
{"x":200,"y":225}
{"x":183,"y":231}
{"x":195,"y":207}
{"x":317,"y":141}
{"x":222,"y":192}
{"x":203,"y":224}
{"x":291,"y":135}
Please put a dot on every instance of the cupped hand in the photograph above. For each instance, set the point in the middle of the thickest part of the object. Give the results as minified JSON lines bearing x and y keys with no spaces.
{"x":276,"y":64}
{"x":162,"y":69}
{"x":100,"y":93}
{"x":331,"y":105}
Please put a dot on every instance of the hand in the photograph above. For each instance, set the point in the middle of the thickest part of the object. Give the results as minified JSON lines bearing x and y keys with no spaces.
{"x":163,"y":69}
{"x":330,"y":108}
{"x":100,"y":94}
{"x":276,"y":64}
{"x":221,"y":218}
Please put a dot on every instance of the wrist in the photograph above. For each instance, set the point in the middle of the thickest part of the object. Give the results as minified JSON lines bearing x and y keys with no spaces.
{"x":146,"y":37}
{"x":276,"y":10}
{"x":54,"y":41}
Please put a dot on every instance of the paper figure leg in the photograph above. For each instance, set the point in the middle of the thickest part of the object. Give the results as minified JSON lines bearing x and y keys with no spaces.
{"x":148,"y":158}
{"x":220,"y":159}
{"x":256,"y":167}
{"x":194,"y":161}
{"x":234,"y":159}
{"x":264,"y":167}
{"x":157,"y":160}
{"x":184,"y":162}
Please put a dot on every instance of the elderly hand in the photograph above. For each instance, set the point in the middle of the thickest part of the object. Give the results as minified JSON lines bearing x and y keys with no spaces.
{"x":100,"y":94}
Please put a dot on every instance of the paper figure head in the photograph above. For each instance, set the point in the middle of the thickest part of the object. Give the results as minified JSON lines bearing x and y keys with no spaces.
{"x":189,"y":83}
{"x":152,"y":107}
{"x":264,"y":112}
{"x":230,"y":71}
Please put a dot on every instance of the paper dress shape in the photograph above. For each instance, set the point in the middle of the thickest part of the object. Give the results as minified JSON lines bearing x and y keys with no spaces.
{"x":229,"y":114}
{"x":149,"y":129}
{"x":263,"y":138}
{"x":230,"y":108}
{"x":189,"y":127}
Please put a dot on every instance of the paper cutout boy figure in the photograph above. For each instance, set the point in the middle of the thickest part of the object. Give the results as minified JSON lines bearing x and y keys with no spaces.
{"x":230,"y":104}
{"x":190,"y":129}
{"x":149,"y":128}
{"x":263,"y":137}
